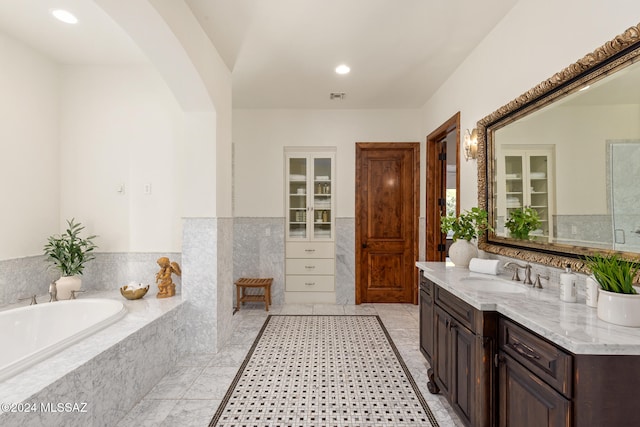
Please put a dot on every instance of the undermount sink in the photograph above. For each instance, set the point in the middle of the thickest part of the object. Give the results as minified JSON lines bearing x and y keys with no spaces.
{"x":492,"y":284}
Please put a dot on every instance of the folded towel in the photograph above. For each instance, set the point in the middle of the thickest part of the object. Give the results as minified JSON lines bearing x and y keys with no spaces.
{"x":486,"y":266}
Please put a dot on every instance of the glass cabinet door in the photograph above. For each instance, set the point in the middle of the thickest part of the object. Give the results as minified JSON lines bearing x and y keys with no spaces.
{"x":310,"y":190}
{"x":297,"y":198}
{"x":322,"y":196}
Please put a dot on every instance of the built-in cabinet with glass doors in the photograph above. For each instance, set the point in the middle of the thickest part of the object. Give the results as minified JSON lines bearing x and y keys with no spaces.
{"x":525,"y":179}
{"x":310,"y":225}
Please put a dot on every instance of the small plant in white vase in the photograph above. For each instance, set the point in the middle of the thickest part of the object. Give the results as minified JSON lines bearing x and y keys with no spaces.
{"x":618,"y":299}
{"x":465,"y":227}
{"x":68,"y":253}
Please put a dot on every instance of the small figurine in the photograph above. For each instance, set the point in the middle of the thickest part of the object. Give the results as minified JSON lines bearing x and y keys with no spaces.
{"x":166,"y":287}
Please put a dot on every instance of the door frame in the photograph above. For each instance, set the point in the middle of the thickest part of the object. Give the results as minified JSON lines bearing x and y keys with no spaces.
{"x":415,"y":146}
{"x":434,"y":184}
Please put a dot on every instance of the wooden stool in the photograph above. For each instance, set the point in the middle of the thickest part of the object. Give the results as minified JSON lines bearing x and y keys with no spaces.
{"x":243,"y":283}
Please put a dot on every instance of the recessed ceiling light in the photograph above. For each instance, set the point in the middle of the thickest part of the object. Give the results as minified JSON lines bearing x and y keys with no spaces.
{"x":64,"y":16}
{"x":343,"y":69}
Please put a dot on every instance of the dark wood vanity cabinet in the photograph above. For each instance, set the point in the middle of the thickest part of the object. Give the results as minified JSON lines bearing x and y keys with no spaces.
{"x":426,"y":317}
{"x":534,"y":379}
{"x":541,"y":384}
{"x":495,"y":372}
{"x":459,"y":343}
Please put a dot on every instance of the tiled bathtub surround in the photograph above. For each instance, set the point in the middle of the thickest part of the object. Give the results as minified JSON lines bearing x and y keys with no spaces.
{"x":23,"y":277}
{"x":109,"y":371}
{"x":207,"y":250}
{"x":259,"y":246}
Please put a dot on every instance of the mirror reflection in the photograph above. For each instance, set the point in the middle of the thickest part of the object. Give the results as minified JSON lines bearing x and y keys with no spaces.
{"x":575,"y":164}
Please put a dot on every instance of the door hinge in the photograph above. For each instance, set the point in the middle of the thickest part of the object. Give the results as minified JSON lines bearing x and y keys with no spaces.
{"x":441,"y":247}
{"x":442,"y":156}
{"x":442,"y":202}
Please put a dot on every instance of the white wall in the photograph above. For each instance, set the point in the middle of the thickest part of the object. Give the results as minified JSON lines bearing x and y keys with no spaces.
{"x":29,"y":147}
{"x":259,"y":137}
{"x":536,"y":39}
{"x":121,"y":125}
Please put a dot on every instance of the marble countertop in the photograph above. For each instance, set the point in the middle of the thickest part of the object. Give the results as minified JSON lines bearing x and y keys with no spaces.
{"x":573,"y":326}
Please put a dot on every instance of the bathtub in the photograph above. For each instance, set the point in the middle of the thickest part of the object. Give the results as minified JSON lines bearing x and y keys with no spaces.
{"x":33,"y":333}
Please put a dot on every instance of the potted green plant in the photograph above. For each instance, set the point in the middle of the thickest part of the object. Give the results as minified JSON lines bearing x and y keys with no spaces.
{"x":465,"y":227}
{"x":68,"y":253}
{"x":521,"y":222}
{"x":618,"y":298}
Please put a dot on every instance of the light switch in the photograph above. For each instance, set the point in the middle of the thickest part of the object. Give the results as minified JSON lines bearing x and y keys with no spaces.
{"x":120,"y":189}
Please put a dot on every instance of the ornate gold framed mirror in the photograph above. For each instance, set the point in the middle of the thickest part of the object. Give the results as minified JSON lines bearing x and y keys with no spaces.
{"x":567,"y":152}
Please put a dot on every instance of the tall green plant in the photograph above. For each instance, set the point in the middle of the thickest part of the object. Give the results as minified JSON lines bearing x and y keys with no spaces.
{"x":521,"y":222}
{"x":613,"y":273}
{"x":468,"y":225}
{"x":68,"y":252}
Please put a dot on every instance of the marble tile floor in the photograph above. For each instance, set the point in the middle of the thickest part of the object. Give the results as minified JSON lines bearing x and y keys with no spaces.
{"x":190,"y":395}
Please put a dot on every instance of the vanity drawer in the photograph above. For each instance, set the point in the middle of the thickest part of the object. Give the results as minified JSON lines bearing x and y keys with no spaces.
{"x":310,"y":250}
{"x":463,"y":312}
{"x":310,"y":283}
{"x":546,"y":360}
{"x":310,"y":266}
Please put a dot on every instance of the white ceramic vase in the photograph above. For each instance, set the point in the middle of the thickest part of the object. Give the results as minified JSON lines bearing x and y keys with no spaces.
{"x":619,"y":309}
{"x":461,"y":251}
{"x":66,"y":284}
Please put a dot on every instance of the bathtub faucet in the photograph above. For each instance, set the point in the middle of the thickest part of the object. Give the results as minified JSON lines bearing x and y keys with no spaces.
{"x":73,"y":294}
{"x":53,"y":292}
{"x":32,"y":298}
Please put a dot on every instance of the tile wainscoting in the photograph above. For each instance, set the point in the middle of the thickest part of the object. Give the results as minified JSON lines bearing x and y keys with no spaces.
{"x":258,"y":251}
{"x":23,"y":277}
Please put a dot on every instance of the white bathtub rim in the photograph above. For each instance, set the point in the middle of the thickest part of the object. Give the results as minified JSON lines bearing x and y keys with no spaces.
{"x":32,"y":359}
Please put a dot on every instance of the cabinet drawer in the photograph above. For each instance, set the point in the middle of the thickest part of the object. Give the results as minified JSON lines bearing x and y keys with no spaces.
{"x":310,"y":283}
{"x":463,"y":312}
{"x":310,"y":250}
{"x":546,"y":360}
{"x":310,"y":266}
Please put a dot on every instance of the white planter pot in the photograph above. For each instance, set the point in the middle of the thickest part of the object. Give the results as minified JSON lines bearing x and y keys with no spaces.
{"x":461,"y":251}
{"x":66,"y":284}
{"x":619,"y":309}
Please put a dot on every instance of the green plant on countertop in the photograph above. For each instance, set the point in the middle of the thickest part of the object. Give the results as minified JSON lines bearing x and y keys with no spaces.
{"x":613,"y":273}
{"x":468,"y":225}
{"x":68,"y":252}
{"x":521,"y":222}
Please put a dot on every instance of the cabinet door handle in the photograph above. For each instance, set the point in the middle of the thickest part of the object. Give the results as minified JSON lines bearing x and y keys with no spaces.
{"x":309,"y":283}
{"x":524,"y":350}
{"x":309,"y":250}
{"x":309,"y":267}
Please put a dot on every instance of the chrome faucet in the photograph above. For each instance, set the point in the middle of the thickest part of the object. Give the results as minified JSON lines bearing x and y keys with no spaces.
{"x":73,"y":294}
{"x":53,"y":292}
{"x":527,"y":272}
{"x":32,"y":298}
{"x":537,"y":284}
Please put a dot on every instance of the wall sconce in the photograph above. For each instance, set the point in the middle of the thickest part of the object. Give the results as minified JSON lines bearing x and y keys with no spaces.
{"x":470,"y":144}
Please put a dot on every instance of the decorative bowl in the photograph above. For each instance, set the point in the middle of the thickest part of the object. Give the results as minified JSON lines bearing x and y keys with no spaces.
{"x":133,"y":293}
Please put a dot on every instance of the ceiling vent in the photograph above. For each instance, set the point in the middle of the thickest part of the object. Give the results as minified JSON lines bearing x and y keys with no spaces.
{"x":337,"y":95}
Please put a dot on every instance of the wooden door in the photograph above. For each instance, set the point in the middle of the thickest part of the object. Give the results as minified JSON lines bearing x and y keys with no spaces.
{"x":387,"y":211}
{"x":437,"y":159}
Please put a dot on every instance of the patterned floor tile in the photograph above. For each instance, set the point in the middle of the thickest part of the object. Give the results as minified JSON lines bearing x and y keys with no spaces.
{"x":323,"y":371}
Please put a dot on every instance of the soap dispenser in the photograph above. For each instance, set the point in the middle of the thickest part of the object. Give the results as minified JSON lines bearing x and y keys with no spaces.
{"x":568,"y":285}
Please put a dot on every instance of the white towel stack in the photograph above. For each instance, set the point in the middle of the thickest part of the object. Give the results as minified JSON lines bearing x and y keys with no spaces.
{"x":486,"y":266}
